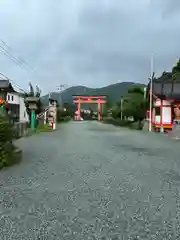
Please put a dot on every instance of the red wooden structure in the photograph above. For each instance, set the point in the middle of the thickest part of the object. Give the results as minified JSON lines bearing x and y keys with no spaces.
{"x":165,"y":100}
{"x":161,"y":115}
{"x":78,"y":99}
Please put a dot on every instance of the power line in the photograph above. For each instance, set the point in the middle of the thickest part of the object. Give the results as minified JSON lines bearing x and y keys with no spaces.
{"x":5,"y":49}
{"x":5,"y":52}
{"x":11,"y":81}
{"x":19,"y":60}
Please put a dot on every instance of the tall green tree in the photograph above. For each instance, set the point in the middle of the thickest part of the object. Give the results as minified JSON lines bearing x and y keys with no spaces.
{"x":108,"y":102}
{"x":134,"y":105}
{"x":116,"y":111}
{"x":176,"y":68}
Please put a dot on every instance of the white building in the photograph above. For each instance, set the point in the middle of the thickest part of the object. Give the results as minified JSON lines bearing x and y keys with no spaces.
{"x":18,"y":100}
{"x":15,"y":101}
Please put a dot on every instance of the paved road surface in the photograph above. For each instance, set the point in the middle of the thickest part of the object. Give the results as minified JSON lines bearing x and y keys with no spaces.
{"x":92,"y":181}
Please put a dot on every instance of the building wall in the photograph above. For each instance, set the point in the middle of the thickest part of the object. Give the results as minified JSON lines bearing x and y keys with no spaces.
{"x":23,"y":116}
{"x":12,"y":98}
{"x":16,"y":99}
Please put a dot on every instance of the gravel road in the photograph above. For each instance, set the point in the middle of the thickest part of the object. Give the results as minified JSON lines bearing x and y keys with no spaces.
{"x":92,"y":181}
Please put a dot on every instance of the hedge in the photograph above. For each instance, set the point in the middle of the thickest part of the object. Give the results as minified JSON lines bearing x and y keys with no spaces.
{"x":64,"y":119}
{"x":124,"y":123}
{"x":9,"y":154}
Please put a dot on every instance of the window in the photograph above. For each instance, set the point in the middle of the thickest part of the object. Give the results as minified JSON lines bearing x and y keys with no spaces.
{"x":12,"y":98}
{"x":157,"y":111}
{"x":24,"y":114}
{"x":8,"y":97}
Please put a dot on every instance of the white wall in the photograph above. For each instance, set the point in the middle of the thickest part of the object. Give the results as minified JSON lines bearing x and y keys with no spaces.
{"x":14,"y":98}
{"x":23,"y":116}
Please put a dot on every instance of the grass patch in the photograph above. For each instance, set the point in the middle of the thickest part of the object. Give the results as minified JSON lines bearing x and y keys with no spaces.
{"x":40,"y":128}
{"x":44,"y":128}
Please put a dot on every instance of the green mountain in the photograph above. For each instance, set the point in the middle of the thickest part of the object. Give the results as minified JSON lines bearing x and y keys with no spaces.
{"x":113,"y":92}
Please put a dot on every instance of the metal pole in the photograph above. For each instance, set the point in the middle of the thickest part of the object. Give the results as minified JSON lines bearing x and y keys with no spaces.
{"x":121,"y":108}
{"x":60,"y":88}
{"x":151,"y":85}
{"x":60,"y":96}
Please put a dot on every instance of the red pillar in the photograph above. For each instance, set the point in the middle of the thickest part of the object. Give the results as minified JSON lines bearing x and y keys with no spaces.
{"x":161,"y":113}
{"x":99,"y":110}
{"x":79,"y":110}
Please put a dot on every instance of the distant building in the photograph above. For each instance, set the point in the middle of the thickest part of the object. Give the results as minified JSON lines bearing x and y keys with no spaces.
{"x":15,"y":106}
{"x":166,"y":100}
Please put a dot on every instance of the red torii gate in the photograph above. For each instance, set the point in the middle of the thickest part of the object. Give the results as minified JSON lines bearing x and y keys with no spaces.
{"x":78,"y":99}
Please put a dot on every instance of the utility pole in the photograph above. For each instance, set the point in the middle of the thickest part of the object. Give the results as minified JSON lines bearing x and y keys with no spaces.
{"x":60,"y":88}
{"x":122,"y":108}
{"x":151,"y":93}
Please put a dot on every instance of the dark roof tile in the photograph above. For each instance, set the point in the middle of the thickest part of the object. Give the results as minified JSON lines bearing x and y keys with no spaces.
{"x":4,"y":83}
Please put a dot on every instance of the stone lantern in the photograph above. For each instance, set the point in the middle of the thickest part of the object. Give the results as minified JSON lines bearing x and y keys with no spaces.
{"x":32,"y":102}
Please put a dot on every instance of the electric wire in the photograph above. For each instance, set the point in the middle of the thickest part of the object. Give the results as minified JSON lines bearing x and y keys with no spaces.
{"x":6,"y":50}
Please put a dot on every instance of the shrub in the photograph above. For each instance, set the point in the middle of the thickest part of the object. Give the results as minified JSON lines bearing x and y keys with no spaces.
{"x":7,"y":132}
{"x":7,"y":149}
{"x":117,"y":122}
{"x":63,"y":116}
{"x":67,"y":118}
{"x":137,"y":125}
{"x":125,"y":123}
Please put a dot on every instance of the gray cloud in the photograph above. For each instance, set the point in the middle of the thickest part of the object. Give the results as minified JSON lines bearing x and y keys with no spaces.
{"x":168,"y":8}
{"x":91,"y":43}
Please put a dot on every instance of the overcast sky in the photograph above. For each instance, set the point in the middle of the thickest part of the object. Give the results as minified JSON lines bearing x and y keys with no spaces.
{"x":88,"y":42}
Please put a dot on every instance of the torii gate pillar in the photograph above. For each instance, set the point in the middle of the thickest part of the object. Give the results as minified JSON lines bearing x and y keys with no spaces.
{"x":79,"y":111}
{"x":99,"y":110}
